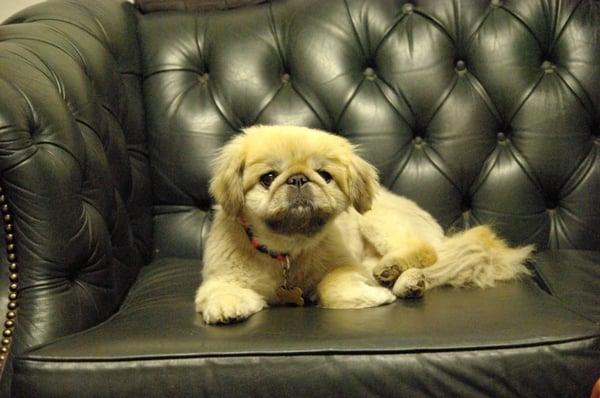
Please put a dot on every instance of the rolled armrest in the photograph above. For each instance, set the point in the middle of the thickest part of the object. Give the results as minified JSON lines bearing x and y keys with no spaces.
{"x":76,"y":195}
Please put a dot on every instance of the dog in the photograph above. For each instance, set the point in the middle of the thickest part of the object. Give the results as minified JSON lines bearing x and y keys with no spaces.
{"x":301,"y":216}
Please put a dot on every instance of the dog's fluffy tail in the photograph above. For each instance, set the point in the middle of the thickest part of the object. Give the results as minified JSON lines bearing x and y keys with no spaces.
{"x":477,"y":257}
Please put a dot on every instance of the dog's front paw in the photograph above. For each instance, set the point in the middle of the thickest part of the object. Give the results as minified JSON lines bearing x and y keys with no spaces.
{"x":361,"y":296}
{"x":411,"y":284}
{"x":228,"y":304}
{"x":348,"y":287}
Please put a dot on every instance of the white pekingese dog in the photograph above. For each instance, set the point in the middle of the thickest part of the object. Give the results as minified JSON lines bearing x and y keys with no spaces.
{"x":301,"y":216}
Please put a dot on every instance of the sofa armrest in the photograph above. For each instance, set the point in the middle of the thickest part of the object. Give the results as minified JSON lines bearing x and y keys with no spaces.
{"x":76,"y":196}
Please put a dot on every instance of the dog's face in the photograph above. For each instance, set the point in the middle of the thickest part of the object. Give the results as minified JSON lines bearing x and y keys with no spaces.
{"x":293,"y":179}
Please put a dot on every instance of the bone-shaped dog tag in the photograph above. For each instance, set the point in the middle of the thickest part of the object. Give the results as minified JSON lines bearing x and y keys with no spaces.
{"x":291,"y":295}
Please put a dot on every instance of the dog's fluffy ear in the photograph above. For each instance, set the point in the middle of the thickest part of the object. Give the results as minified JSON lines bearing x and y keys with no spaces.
{"x":363,"y":183}
{"x":226,"y":184}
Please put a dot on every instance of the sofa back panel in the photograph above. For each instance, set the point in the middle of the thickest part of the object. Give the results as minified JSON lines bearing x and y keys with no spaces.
{"x":73,"y":162}
{"x":482,"y":112}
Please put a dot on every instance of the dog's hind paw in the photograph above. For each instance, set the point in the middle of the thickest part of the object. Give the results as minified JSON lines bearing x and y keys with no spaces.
{"x":411,"y":284}
{"x":393,"y":264}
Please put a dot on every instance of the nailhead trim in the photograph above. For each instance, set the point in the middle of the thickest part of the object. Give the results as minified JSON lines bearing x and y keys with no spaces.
{"x":13,"y":276}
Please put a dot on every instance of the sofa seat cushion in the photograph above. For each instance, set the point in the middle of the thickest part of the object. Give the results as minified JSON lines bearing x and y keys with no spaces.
{"x":510,"y":340}
{"x":573,"y":276}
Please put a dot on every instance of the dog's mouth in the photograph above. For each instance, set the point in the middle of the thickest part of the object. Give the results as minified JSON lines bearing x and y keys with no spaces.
{"x":301,"y":216}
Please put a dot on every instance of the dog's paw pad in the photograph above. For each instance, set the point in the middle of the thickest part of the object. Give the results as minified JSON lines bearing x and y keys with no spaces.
{"x":411,"y":284}
{"x":386,"y":275}
{"x":229,"y":319}
{"x":415,"y":292}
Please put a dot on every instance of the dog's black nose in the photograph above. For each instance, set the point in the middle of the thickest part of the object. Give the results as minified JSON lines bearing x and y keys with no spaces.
{"x":297,"y":179}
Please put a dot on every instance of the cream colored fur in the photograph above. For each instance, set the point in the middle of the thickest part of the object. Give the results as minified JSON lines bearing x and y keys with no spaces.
{"x":362,"y":245}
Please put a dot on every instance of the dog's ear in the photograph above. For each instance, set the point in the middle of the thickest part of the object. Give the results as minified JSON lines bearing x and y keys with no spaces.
{"x":363,"y":183}
{"x":226,"y":184}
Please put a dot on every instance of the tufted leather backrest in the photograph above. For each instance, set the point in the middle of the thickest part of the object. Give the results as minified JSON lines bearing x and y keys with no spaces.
{"x":483,"y":112}
{"x":73,"y":164}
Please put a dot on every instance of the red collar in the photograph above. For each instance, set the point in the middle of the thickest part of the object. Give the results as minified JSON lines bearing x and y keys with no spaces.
{"x":281,"y":257}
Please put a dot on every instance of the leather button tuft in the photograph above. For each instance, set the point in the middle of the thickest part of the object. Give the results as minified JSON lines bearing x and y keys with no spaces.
{"x":548,"y":66}
{"x":285,"y":78}
{"x":551,"y":204}
{"x":370,"y":73}
{"x":501,"y":137}
{"x":204,"y":78}
{"x":418,"y":141}
{"x":408,"y":8}
{"x":465,"y":205}
{"x":496,"y":3}
{"x":461,"y":65}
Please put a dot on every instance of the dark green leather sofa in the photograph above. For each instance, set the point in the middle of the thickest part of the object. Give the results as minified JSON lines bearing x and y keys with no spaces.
{"x":483,"y":112}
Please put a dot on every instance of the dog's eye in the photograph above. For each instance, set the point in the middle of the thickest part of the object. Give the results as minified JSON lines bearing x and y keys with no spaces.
{"x":325,"y":175}
{"x":267,"y":179}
